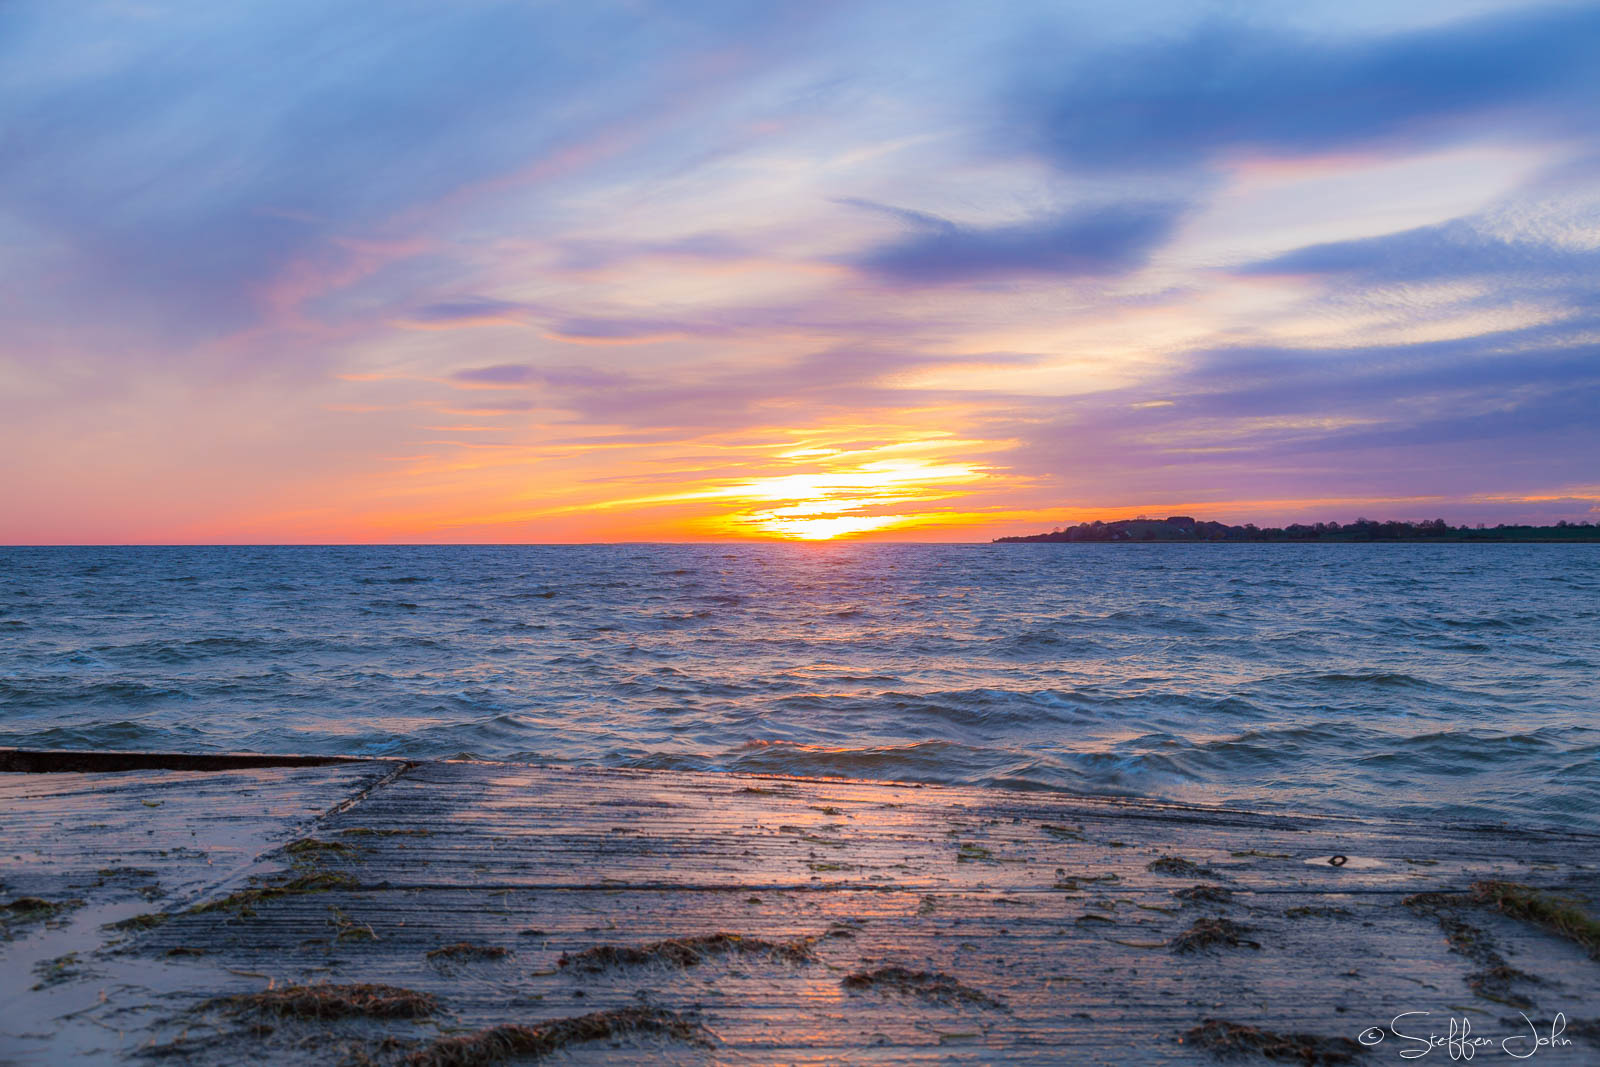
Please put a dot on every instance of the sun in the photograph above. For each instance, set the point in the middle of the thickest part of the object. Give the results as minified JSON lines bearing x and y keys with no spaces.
{"x":853,"y":493}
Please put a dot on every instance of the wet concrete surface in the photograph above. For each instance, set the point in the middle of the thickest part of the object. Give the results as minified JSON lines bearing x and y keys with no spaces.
{"x":861,"y":922}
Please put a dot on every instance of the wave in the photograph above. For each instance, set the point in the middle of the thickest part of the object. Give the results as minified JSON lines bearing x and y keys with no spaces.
{"x":187,"y":651}
{"x":1048,"y":643}
{"x":1280,"y":676}
{"x":926,"y":761}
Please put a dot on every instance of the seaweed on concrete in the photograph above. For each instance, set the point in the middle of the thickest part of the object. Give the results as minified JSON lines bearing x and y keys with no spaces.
{"x":466,"y":950}
{"x":687,"y":952}
{"x":1207,"y":933}
{"x":1559,"y":916}
{"x":1205,"y":894}
{"x":333,"y":1002}
{"x":928,"y":985}
{"x":512,"y":1039}
{"x":243,"y":901}
{"x":1223,"y":1038}
{"x":311,"y":846}
{"x":1179,"y":867}
{"x":1495,"y":976}
{"x":23,"y":910}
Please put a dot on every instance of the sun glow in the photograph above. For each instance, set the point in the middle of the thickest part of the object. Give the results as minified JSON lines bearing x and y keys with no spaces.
{"x":838,"y":491}
{"x":844,"y":498}
{"x":825,"y":529}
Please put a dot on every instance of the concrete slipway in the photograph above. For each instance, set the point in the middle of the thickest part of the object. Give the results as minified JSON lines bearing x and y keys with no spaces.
{"x":172,"y":909}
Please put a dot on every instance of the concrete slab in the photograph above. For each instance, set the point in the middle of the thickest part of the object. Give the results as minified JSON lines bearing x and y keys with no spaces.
{"x":875,"y":922}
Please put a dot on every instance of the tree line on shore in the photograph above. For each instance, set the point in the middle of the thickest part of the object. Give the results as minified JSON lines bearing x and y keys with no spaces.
{"x":1186,"y":528}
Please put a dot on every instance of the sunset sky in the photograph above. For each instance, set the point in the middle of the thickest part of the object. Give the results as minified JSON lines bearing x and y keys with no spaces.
{"x":517,"y":271}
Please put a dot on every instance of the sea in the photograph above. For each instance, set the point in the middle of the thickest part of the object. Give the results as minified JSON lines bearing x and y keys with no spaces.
{"x":1449,"y":682}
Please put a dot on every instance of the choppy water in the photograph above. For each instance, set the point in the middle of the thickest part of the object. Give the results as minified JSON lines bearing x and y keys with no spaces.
{"x":1448,"y":680}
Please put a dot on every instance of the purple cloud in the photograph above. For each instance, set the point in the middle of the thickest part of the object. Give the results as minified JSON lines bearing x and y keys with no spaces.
{"x":1086,"y":242}
{"x":1176,"y":102}
{"x":563,"y":377}
{"x":466,"y":311}
{"x":1455,"y":249}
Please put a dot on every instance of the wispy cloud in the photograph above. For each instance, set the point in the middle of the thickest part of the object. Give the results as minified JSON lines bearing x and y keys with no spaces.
{"x":1095,"y":241}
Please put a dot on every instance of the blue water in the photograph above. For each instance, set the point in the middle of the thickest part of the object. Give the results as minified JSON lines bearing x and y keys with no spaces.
{"x":1454,"y":681}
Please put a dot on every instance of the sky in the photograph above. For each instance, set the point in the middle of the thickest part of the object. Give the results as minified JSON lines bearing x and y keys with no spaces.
{"x":510,"y":271}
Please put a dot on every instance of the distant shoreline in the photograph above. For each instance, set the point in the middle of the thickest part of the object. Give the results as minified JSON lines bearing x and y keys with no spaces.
{"x":1182,"y":529}
{"x":1044,"y":539}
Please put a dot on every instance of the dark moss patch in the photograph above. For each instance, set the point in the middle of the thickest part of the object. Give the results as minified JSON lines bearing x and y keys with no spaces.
{"x":185,"y":950}
{"x":1204,"y":894}
{"x":1317,"y":911}
{"x":687,"y":952}
{"x":1061,"y":833}
{"x":310,"y":846}
{"x":1560,"y":917}
{"x":1222,"y":1038}
{"x":1178,"y":867}
{"x":139,"y":923}
{"x":1209,"y":933}
{"x":244,"y":901}
{"x":466,"y":950}
{"x":333,"y":1002}
{"x":28,"y":905}
{"x":1432,"y":903}
{"x":503,"y":1042}
{"x":928,"y":985}
{"x":34,"y":909}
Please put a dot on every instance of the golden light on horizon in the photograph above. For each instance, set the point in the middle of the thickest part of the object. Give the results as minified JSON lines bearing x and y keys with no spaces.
{"x":848,"y":496}
{"x":826,"y":529}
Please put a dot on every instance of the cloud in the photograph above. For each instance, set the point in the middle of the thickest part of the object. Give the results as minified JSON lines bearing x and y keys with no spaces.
{"x":1448,"y":417}
{"x":590,"y":254}
{"x":815,"y":387}
{"x":616,"y":330}
{"x":528,"y":374}
{"x":1456,"y":249}
{"x":1230,"y":87}
{"x":184,"y":172}
{"x":471,"y":312}
{"x":504,"y":407}
{"x":499,"y":374}
{"x":1085,"y":242}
